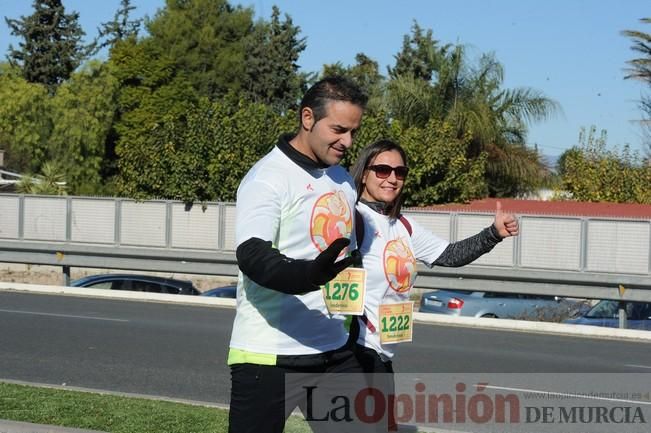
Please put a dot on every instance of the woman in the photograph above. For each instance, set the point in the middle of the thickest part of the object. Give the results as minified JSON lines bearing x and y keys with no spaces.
{"x":391,"y":244}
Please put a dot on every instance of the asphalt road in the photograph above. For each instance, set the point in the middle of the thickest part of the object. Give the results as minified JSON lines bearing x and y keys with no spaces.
{"x":180,"y":351}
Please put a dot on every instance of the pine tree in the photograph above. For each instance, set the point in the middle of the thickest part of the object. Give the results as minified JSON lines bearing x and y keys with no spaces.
{"x":419,"y":56}
{"x":272,"y":75}
{"x":51,"y":48}
{"x":119,"y":29}
{"x":205,"y":42}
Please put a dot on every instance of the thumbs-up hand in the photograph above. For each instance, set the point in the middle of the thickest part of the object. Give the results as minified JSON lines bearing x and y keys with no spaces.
{"x":505,"y":223}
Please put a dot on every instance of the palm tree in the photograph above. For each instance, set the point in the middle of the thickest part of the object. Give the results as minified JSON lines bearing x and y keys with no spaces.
{"x":640,"y":69}
{"x":50,"y":182}
{"x":473,"y":100}
{"x":409,"y":100}
{"x":498,"y":120}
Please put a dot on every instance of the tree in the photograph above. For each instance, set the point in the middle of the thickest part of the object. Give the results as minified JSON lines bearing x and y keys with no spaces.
{"x":438,"y":82}
{"x":82,"y":113}
{"x":419,"y":55}
{"x":272,"y":75}
{"x":640,"y":69}
{"x":440,"y":171}
{"x":204,"y":155}
{"x":410,"y":100}
{"x":498,"y":121}
{"x":195,"y":50}
{"x":152,"y":92}
{"x":50,"y":182}
{"x":25,"y":124}
{"x":592,"y":172}
{"x":562,"y":162}
{"x":365,"y":73}
{"x":51,"y":48}
{"x":119,"y":29}
{"x":205,"y":40}
{"x":69,"y":130}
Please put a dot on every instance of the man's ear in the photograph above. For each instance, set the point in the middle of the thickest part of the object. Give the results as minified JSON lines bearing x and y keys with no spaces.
{"x":307,"y":118}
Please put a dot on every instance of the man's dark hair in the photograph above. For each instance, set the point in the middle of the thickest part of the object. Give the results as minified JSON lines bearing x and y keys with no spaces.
{"x":365,"y":159}
{"x":335,"y":88}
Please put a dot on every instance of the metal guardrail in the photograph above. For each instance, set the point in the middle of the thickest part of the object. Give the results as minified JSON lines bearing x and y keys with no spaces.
{"x":531,"y":281}
{"x":509,"y":280}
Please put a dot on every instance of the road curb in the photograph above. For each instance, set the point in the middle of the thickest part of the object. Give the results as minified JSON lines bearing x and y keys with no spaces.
{"x":118,"y":294}
{"x":537,"y":327}
{"x":25,"y":427}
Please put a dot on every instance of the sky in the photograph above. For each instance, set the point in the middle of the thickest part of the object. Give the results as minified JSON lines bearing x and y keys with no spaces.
{"x":570,"y":50}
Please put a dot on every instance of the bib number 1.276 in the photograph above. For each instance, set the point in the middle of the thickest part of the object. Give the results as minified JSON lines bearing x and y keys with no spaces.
{"x":345,"y":293}
{"x":341,"y":291}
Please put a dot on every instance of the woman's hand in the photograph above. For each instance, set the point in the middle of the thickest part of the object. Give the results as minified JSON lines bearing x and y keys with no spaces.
{"x":505,"y":223}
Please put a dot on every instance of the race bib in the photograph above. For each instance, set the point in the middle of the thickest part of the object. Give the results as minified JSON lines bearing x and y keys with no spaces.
{"x":346,"y":292}
{"x":396,"y":322}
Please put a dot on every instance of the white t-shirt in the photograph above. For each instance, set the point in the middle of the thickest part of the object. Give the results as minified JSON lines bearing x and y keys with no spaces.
{"x":390,"y":254}
{"x":301,"y":213}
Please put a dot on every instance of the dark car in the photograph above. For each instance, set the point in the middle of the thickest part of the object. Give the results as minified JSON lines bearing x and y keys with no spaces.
{"x":222,"y":292}
{"x":137,"y":283}
{"x":495,"y":304}
{"x":606,"y":313}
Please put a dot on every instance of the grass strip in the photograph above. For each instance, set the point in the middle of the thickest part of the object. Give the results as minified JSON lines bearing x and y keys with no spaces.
{"x":114,"y":414}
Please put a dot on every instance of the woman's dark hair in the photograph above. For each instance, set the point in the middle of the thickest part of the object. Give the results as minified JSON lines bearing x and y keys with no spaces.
{"x":365,"y":159}
{"x":328,"y":89}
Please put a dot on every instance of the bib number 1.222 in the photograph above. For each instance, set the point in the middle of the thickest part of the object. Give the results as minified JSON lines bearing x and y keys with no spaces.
{"x":395,"y":323}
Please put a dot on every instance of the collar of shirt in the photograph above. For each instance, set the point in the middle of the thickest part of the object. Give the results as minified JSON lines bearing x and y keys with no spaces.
{"x":297,"y":157}
{"x":378,"y":206}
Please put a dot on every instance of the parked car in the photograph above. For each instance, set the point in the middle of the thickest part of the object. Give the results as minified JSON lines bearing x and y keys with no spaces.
{"x":495,"y":304}
{"x":138,"y":283}
{"x":606,"y":313}
{"x":222,"y":292}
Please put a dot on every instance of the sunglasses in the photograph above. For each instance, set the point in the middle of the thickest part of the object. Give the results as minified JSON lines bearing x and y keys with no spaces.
{"x":383,"y":171}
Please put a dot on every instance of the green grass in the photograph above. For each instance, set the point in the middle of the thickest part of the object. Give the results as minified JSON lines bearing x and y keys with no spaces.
{"x":115,"y":414}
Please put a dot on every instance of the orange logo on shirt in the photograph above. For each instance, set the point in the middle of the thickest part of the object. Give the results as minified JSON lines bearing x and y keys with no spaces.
{"x":331,"y":219}
{"x":399,"y":265}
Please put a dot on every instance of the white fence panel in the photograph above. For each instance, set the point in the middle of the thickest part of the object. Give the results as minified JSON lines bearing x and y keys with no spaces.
{"x":470,"y":225}
{"x":93,"y":221}
{"x":229,"y":227}
{"x":9,"y":217}
{"x":45,"y":219}
{"x":196,"y":228}
{"x":437,"y":223}
{"x":618,"y":246}
{"x":143,"y":224}
{"x":551,"y":243}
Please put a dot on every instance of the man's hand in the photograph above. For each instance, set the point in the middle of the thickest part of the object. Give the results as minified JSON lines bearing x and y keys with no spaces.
{"x":323,"y":268}
{"x":505,"y":223}
{"x":265,"y":265}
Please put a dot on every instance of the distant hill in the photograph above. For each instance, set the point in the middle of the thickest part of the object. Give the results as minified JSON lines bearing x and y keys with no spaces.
{"x":551,"y":160}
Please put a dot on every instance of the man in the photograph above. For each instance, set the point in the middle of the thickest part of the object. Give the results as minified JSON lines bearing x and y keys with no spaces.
{"x":293,"y":229}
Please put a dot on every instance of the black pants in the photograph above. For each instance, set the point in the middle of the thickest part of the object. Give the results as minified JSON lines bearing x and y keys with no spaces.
{"x":263,"y":396}
{"x":371,"y":362}
{"x":379,"y":375}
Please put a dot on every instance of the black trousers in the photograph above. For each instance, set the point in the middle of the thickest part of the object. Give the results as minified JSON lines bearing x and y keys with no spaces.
{"x":379,"y":375}
{"x":263,"y":396}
